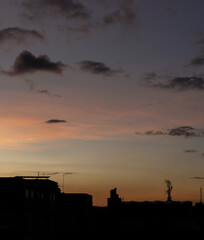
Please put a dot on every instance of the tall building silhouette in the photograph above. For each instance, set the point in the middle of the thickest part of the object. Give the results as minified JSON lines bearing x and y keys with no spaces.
{"x":114,"y":200}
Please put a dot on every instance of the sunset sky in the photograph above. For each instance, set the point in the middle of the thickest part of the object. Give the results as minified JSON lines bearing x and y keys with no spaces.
{"x":108,"y":93}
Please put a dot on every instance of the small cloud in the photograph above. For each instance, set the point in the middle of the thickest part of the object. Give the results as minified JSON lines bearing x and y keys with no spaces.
{"x":178,"y":83}
{"x":39,"y":9}
{"x":150,"y":76}
{"x":197,"y":177}
{"x":56,"y":173}
{"x":67,"y":173}
{"x":97,"y":68}
{"x":46,"y":92}
{"x":33,"y":87}
{"x":190,"y":151}
{"x":18,"y":35}
{"x":26,"y":62}
{"x":52,"y":173}
{"x":56,"y":121}
{"x":184,"y":131}
{"x":125,"y":14}
{"x":151,"y":132}
{"x":198,"y":61}
{"x":122,"y":16}
{"x":84,"y":29}
{"x":79,"y":31}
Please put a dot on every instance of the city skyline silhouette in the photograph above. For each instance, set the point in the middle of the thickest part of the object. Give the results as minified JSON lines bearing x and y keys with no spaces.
{"x":33,"y":207}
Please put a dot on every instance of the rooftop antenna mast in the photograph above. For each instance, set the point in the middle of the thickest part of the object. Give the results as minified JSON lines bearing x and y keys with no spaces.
{"x":63,"y":183}
{"x":169,"y":190}
{"x":56,"y":173}
{"x":201,"y":190}
{"x":63,"y":178}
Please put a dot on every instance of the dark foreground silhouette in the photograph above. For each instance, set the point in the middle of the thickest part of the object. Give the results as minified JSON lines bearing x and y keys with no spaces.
{"x":34,"y":208}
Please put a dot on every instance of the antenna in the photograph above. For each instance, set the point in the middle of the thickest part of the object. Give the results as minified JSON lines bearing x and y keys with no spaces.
{"x":201,"y":190}
{"x":51,"y":174}
{"x":63,"y":177}
{"x":63,"y":182}
{"x":169,"y":189}
{"x":201,"y":195}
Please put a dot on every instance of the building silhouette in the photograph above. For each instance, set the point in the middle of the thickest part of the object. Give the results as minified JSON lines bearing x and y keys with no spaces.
{"x":32,"y":205}
{"x":114,"y":200}
{"x":74,"y":201}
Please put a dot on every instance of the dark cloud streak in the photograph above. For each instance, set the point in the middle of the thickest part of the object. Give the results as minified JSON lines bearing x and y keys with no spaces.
{"x":45,"y":91}
{"x":19,"y":35}
{"x":38,"y":9}
{"x":176,"y":83}
{"x":198,"y":61}
{"x":97,"y":68}
{"x":55,"y":121}
{"x":199,"y":178}
{"x":56,"y":173}
{"x":190,"y":151}
{"x":184,"y":131}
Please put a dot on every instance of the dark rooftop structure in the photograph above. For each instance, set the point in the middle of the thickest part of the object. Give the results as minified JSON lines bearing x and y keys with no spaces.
{"x":28,"y":188}
{"x":27,"y":201}
{"x":114,"y":200}
{"x":75,"y":201}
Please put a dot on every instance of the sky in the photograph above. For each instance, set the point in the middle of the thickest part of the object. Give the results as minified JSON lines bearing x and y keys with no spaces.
{"x":107,"y":93}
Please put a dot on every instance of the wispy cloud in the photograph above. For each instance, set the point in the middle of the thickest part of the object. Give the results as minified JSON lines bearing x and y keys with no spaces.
{"x":97,"y":68}
{"x":85,"y":29}
{"x":190,"y":151}
{"x":39,"y":9}
{"x":197,"y":177}
{"x":56,"y":173}
{"x":174,"y":83}
{"x":46,"y":92}
{"x":19,"y":35}
{"x":197,"y":61}
{"x":184,"y":131}
{"x":184,"y":83}
{"x":33,"y":87}
{"x":125,"y":14}
{"x":26,"y":62}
